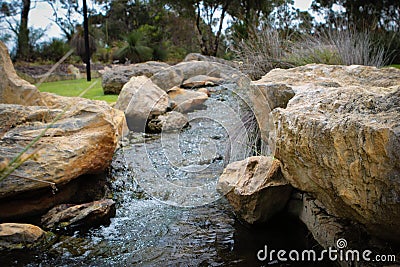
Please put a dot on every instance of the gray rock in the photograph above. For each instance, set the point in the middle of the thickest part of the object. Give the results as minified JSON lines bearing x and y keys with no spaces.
{"x":167,"y":78}
{"x":194,"y":68}
{"x":200,"y":57}
{"x":201,"y":81}
{"x":113,"y":79}
{"x":170,"y":121}
{"x":141,"y":100}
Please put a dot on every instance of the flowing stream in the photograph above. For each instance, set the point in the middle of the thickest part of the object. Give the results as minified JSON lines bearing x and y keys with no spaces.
{"x":168,"y":210}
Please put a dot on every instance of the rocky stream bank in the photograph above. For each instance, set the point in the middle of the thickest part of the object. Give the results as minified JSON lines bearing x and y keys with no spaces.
{"x":317,"y":144}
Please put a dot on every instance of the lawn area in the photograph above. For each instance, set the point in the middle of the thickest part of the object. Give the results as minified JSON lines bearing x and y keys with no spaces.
{"x":395,"y":65}
{"x":75,"y":87}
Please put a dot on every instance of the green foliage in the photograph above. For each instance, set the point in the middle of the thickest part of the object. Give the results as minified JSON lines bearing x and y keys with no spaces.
{"x":75,"y":87}
{"x":103,"y":54}
{"x":318,"y":53}
{"x":134,"y":49}
{"x":53,"y":50}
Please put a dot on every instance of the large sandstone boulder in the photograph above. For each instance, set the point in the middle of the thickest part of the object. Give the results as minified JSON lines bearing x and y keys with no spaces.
{"x":69,"y":217}
{"x":113,"y":79}
{"x":339,"y":140}
{"x":82,"y":141}
{"x":255,"y":188}
{"x":19,"y":235}
{"x":141,"y":100}
{"x":14,"y":90}
{"x":75,"y":138}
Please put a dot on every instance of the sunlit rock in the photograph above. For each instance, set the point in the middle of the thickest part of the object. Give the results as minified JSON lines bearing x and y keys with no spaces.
{"x":339,"y":140}
{"x":19,"y":235}
{"x":13,"y":89}
{"x":141,"y":99}
{"x":186,"y":100}
{"x":255,"y":187}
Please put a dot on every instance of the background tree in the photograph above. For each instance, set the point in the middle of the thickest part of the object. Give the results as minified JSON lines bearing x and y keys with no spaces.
{"x":381,"y":19}
{"x":78,"y":43}
{"x":15,"y":13}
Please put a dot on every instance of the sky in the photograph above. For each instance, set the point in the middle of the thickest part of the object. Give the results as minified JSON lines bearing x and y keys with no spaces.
{"x":40,"y":17}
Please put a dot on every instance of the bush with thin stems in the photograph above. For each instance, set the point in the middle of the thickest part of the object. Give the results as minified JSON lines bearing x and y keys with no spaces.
{"x":338,"y":45}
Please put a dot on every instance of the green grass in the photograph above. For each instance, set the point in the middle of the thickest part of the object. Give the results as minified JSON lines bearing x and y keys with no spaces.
{"x":395,"y":65}
{"x":75,"y":87}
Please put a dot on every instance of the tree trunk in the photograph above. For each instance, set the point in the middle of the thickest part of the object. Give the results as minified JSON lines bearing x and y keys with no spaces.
{"x":218,"y":35}
{"x":200,"y":35}
{"x":23,"y":34}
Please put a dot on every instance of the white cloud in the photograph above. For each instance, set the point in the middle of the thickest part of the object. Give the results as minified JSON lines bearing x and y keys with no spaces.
{"x":302,"y":4}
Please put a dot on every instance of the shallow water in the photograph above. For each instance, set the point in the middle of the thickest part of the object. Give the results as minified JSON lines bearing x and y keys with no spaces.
{"x":168,"y":210}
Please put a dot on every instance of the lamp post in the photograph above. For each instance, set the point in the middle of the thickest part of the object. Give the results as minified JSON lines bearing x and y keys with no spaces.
{"x":86,"y":35}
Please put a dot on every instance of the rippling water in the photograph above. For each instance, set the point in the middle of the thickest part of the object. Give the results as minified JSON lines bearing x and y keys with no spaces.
{"x":168,"y":211}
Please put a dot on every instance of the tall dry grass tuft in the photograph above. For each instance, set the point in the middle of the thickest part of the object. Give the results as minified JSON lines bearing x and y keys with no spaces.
{"x":357,"y":48}
{"x":341,"y":44}
{"x":262,"y":52}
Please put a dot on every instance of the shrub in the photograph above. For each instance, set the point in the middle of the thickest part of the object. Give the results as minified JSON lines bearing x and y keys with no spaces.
{"x":54,"y":50}
{"x":262,"y":52}
{"x":134,"y":49}
{"x":339,"y":45}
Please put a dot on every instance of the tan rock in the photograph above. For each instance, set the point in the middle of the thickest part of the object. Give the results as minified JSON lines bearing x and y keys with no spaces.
{"x":186,"y":100}
{"x":201,"y":81}
{"x":255,"y":188}
{"x":13,"y":89}
{"x":81,"y":141}
{"x":264,"y":98}
{"x":141,"y":99}
{"x":339,"y":140}
{"x":204,"y":90}
{"x":19,"y":235}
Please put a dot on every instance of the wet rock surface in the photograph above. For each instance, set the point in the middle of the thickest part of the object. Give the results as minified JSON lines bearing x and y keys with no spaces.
{"x":19,"y":235}
{"x":69,"y":217}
